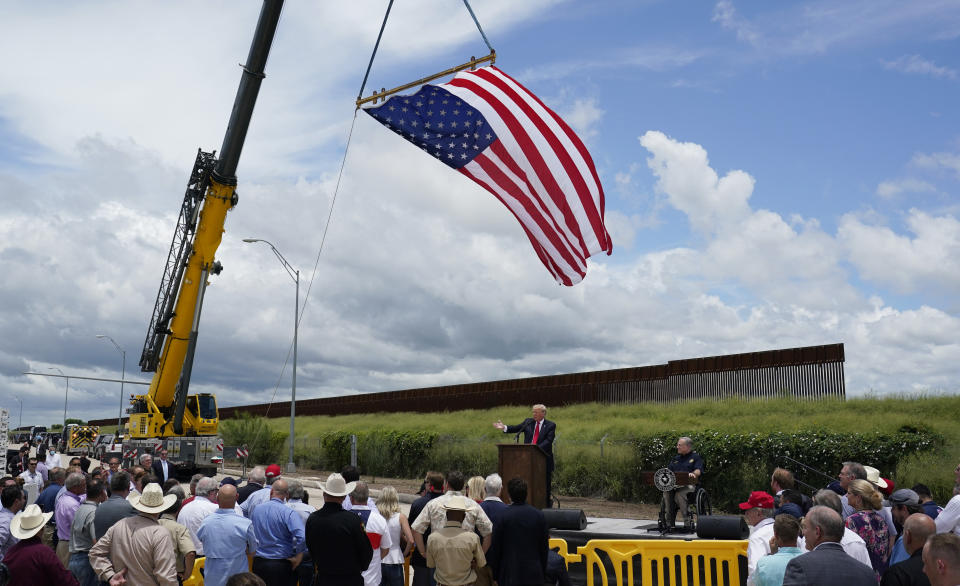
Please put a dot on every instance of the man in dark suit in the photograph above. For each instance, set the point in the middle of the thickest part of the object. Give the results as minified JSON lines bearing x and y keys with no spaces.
{"x":492,"y":504}
{"x":916,"y":529}
{"x":826,"y":563}
{"x":518,"y":553}
{"x":539,"y":431}
{"x":162,"y":468}
{"x":336,"y":538}
{"x":255,"y":481}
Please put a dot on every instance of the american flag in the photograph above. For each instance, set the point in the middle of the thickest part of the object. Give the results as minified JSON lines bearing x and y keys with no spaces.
{"x":493,"y":130}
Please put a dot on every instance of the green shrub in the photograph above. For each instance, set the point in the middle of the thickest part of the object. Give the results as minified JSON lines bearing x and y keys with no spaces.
{"x":737,"y":464}
{"x":266,"y":446}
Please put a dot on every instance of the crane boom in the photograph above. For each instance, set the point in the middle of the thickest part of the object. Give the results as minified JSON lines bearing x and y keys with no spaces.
{"x":166,"y":410}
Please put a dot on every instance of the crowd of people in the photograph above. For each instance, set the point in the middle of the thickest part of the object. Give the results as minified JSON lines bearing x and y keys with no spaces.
{"x":859,"y":530}
{"x":141,"y":526}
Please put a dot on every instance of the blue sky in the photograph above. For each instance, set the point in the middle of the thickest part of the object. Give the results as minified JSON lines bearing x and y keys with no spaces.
{"x":777,"y":174}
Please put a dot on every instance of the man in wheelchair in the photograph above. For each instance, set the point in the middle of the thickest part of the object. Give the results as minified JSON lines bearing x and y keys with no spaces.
{"x":688,"y":461}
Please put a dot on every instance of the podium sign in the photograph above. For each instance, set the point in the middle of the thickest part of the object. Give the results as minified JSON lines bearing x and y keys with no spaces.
{"x":528,"y":462}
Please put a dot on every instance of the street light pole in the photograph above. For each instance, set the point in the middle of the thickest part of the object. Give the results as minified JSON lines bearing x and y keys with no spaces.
{"x":19,"y":400}
{"x":295,"y":275}
{"x":65,"y":393}
{"x":123,"y":376}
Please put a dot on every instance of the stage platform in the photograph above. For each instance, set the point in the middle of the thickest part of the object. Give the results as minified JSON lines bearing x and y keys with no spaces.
{"x":605,"y":528}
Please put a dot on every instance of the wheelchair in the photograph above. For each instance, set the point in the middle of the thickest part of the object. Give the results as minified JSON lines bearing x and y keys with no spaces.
{"x":698,"y":504}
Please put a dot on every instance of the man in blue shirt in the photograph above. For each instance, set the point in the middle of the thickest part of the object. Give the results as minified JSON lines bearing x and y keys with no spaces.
{"x":227,"y":539}
{"x":770,"y":568}
{"x":280,"y":537}
{"x":48,"y":496}
{"x":47,"y":500}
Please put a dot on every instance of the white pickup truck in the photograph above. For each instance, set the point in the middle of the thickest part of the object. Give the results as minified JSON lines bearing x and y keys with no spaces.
{"x":106,"y":446}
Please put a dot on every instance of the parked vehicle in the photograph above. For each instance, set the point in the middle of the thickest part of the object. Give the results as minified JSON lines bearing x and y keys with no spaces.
{"x":108,"y":444}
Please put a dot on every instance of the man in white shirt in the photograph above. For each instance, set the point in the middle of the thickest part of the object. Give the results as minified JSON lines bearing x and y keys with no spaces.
{"x":851,"y":543}
{"x":201,"y":507}
{"x":758,"y":512}
{"x":30,"y":475}
{"x":377,"y":533}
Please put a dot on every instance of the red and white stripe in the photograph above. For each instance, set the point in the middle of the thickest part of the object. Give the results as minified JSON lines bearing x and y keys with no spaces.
{"x":540,"y":169}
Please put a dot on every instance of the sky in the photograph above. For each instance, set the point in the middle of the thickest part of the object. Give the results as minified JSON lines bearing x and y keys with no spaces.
{"x":776,"y":175}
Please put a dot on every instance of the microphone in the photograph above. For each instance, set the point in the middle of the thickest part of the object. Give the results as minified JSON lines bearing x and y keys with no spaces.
{"x":523,"y":427}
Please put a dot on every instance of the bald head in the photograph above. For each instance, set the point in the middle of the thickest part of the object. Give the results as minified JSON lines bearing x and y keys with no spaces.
{"x":279,"y":489}
{"x":916,"y":529}
{"x":227,"y":497}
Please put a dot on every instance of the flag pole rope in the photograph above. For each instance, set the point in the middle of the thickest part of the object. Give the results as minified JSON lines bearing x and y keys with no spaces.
{"x":301,"y":310}
{"x":377,"y":45}
{"x":477,"y":22}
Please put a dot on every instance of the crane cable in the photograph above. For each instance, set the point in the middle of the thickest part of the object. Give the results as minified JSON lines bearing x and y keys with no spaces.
{"x":383,"y":25}
{"x":301,"y":310}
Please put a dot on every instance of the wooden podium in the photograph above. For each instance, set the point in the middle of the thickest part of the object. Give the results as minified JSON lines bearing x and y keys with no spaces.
{"x":528,"y":462}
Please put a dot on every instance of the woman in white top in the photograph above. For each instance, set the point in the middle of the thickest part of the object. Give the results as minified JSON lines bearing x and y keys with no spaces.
{"x":391,"y":567}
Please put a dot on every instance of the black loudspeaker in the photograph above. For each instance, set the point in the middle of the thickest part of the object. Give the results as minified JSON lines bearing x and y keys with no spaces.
{"x":722,"y":527}
{"x":572,"y":519}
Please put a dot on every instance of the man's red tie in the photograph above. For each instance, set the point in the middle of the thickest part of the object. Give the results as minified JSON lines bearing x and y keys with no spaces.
{"x":536,"y":433}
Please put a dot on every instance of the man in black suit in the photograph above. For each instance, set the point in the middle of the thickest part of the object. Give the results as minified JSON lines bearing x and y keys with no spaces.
{"x":826,"y":563}
{"x":539,"y":431}
{"x":162,"y":468}
{"x":255,"y":481}
{"x":336,"y":538}
{"x":518,"y":555}
{"x":916,"y":529}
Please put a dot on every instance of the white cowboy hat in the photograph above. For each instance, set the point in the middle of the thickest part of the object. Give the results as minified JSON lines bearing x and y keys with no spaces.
{"x":456,"y":503}
{"x":336,"y":486}
{"x":29,"y":522}
{"x":152,"y":499}
{"x":873,"y":476}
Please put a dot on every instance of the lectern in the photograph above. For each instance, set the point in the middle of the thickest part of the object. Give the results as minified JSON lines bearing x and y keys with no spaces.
{"x":528,"y":462}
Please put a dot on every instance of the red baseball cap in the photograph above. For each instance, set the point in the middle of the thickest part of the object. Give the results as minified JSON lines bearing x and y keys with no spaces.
{"x":273,"y":470}
{"x":758,"y":499}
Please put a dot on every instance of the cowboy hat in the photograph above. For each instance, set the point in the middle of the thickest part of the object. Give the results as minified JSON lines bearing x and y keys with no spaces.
{"x":151,"y":500}
{"x":28,"y":523}
{"x":336,"y":486}
{"x":456,"y":503}
{"x":873,"y":476}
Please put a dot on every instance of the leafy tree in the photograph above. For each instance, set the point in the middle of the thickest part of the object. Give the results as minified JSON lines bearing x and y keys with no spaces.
{"x":265,"y":445}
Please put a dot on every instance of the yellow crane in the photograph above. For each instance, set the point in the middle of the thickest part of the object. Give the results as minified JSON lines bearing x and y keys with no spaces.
{"x":167,"y":416}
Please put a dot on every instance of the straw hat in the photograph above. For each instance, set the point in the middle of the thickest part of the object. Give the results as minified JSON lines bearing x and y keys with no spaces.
{"x":336,"y":486}
{"x":456,"y":503}
{"x":151,"y":500}
{"x":28,"y":523}
{"x":873,"y":476}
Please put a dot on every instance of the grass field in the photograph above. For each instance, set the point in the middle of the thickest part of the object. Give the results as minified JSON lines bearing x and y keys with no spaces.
{"x":592,"y":431}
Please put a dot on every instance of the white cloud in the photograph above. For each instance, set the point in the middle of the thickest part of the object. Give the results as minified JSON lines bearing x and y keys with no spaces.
{"x":916,"y":64}
{"x":894,"y":187}
{"x":814,"y":28}
{"x":930,"y":259}
{"x":949,"y":161}
{"x":584,"y":116}
{"x":693,"y":187}
{"x":726,"y":14}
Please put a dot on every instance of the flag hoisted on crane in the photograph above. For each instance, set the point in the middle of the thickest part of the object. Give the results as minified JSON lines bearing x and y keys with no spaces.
{"x":496,"y":132}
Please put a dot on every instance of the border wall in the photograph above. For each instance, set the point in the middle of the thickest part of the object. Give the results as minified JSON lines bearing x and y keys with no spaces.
{"x":807,"y":373}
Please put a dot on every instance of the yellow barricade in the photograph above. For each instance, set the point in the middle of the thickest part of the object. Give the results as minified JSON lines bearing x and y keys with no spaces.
{"x":662,"y":561}
{"x":196,"y":578}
